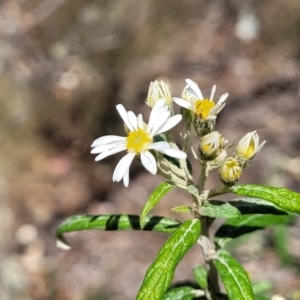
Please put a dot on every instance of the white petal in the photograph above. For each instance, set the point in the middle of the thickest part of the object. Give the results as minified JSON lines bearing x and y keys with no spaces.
{"x":223,"y":98}
{"x":126,"y":179}
{"x":110,"y":152}
{"x":107,"y":139}
{"x":213,"y":90}
{"x":140,"y":121}
{"x":132,"y":119}
{"x":155,"y":113}
{"x":149,"y":162}
{"x":194,"y":86}
{"x":183,"y":103}
{"x":159,"y":122}
{"x":173,"y":153}
{"x":106,"y":147}
{"x":123,"y":167}
{"x":171,"y":122}
{"x":158,"y":105}
{"x":159,"y":145}
{"x":123,"y":113}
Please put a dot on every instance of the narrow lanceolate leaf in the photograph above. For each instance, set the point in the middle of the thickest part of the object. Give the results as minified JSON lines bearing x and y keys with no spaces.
{"x":180,"y":293}
{"x":160,"y":274}
{"x":248,"y":223}
{"x":182,"y":208}
{"x":201,"y":276}
{"x":256,"y":206}
{"x":281,"y":197}
{"x":156,"y":195}
{"x":219,"y":209}
{"x":234,"y":277}
{"x":261,"y":287}
{"x":113,"y":222}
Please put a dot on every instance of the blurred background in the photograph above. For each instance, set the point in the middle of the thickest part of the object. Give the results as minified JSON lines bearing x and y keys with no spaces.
{"x":64,"y":65}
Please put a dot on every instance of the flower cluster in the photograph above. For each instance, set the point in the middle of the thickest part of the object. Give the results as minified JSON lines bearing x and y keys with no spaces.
{"x":145,"y":141}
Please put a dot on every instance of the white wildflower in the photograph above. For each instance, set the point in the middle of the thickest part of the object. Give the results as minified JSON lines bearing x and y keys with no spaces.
{"x":203,"y":108}
{"x":139,"y":140}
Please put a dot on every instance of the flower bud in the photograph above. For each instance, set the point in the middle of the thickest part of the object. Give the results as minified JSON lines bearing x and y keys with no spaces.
{"x":211,"y":145}
{"x":230,"y":171}
{"x":247,"y":148}
{"x":158,"y":90}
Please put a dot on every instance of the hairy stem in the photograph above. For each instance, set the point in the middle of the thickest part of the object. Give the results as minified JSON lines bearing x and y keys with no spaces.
{"x":208,"y":252}
{"x":202,"y":177}
{"x":220,"y":190}
{"x":186,"y":137}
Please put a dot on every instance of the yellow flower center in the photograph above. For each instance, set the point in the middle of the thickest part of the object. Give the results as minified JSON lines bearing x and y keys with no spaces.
{"x":203,"y":108}
{"x":249,"y":151}
{"x":233,"y":170}
{"x":138,"y":141}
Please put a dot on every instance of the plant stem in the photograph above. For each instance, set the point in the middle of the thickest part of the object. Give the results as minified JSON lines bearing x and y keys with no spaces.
{"x":220,"y":190}
{"x":202,"y":177}
{"x":186,"y":137}
{"x":206,"y":244}
{"x":208,"y":250}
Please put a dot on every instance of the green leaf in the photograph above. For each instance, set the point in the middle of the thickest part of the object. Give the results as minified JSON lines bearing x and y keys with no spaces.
{"x":113,"y":222}
{"x":182,"y":208}
{"x":248,"y":223}
{"x":156,"y":195}
{"x":255,"y":206}
{"x":234,"y":277}
{"x":219,"y":209}
{"x":193,"y":190}
{"x":281,"y":197}
{"x":180,"y":293}
{"x":160,"y":274}
{"x":261,"y":287}
{"x":201,"y":276}
{"x":281,"y":245}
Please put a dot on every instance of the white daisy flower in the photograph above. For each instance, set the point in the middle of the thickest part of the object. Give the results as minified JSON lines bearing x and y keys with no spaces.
{"x":203,"y":108}
{"x":158,"y":90}
{"x":139,"y":140}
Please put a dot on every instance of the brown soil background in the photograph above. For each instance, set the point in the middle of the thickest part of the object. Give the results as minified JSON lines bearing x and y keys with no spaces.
{"x":64,"y":66}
